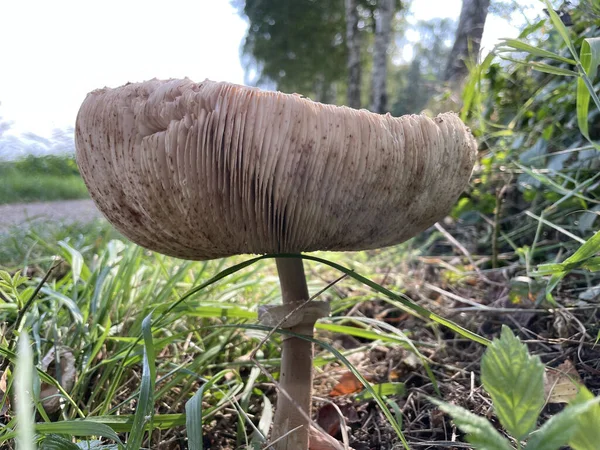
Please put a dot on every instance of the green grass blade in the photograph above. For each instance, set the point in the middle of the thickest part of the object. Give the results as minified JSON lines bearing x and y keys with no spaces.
{"x":383,"y":389}
{"x":193,"y":413}
{"x":547,"y":68}
{"x":125,"y":423}
{"x":518,"y":45}
{"x":78,"y":428}
{"x":423,"y":312}
{"x":24,"y":388}
{"x":266,"y":419}
{"x":224,"y":273}
{"x":590,"y":59}
{"x":145,"y":405}
{"x":361,"y":333}
{"x":582,"y":256}
{"x":404,"y":341}
{"x":75,"y":259}
{"x":560,"y":27}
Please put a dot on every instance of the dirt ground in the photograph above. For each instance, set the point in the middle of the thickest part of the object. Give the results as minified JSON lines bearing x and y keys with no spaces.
{"x":62,"y":211}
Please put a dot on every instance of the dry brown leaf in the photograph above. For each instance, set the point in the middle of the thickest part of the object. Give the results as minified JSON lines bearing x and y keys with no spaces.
{"x":65,"y":371}
{"x":323,"y":441}
{"x":348,"y":384}
{"x":562,"y":384}
{"x":328,"y":417}
{"x":4,"y":403}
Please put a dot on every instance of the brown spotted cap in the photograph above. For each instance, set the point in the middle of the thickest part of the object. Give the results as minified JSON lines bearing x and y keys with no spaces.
{"x":208,"y":170}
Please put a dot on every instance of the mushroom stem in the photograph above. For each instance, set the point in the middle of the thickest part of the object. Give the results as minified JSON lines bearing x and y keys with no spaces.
{"x":295,"y":379}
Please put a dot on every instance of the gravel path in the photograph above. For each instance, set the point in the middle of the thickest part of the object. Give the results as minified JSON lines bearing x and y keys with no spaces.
{"x":67,"y":211}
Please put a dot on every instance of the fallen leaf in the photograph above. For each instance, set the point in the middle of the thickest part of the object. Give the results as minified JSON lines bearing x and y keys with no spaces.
{"x":321,"y":441}
{"x":329,"y":418}
{"x":64,"y":372}
{"x":348,"y":384}
{"x":4,"y":403}
{"x":561,"y":385}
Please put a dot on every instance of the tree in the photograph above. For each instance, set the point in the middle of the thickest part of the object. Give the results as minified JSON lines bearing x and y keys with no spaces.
{"x":468,"y":39}
{"x":298,"y":45}
{"x":353,"y":45}
{"x":383,"y":33}
{"x":413,"y":85}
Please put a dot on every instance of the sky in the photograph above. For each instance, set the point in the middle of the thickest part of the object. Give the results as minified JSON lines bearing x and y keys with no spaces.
{"x":54,"y":52}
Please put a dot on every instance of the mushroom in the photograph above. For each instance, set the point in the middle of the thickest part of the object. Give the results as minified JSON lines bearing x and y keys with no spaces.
{"x":209,"y":170}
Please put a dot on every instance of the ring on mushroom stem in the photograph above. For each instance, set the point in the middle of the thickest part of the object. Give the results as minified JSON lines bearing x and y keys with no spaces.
{"x":209,"y":170}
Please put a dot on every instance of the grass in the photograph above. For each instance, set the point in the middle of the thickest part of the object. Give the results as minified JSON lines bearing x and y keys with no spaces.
{"x":19,"y":187}
{"x":114,"y":305}
{"x":161,"y":345}
{"x":40,"y":179}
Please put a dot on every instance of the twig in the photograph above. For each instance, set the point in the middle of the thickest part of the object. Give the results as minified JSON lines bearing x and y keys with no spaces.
{"x":499,"y":195}
{"x":465,"y":252}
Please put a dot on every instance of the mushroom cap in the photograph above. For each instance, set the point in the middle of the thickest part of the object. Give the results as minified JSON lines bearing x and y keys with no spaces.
{"x":208,"y":170}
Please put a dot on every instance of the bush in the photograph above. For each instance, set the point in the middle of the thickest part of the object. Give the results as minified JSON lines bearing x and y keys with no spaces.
{"x":40,"y":179}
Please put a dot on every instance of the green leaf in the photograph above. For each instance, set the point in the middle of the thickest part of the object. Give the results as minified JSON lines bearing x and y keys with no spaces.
{"x":536,"y":51}
{"x":587,"y":432}
{"x":542,"y":67}
{"x":560,"y":27}
{"x":547,"y":68}
{"x":515,"y":381}
{"x":583,"y":257}
{"x":124,"y":423}
{"x":480,"y":432}
{"x":590,"y":58}
{"x":592,"y":264}
{"x":78,"y":428}
{"x":383,"y":389}
{"x":559,"y":430}
{"x":145,"y":405}
{"x":587,"y":250}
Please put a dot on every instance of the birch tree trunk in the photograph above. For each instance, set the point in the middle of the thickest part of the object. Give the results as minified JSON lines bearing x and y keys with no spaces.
{"x":468,"y":39}
{"x":383,"y":34}
{"x":353,"y":44}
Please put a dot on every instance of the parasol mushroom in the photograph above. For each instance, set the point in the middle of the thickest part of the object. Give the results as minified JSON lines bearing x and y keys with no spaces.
{"x":209,"y":170}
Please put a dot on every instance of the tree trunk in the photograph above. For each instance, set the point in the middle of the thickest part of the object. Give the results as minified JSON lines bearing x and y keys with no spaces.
{"x":353,"y":44}
{"x":383,"y":34}
{"x":468,"y":39}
